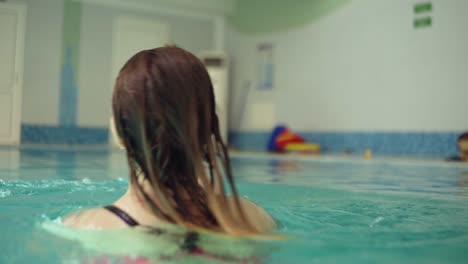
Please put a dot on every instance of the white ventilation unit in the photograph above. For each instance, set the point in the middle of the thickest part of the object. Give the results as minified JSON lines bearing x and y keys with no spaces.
{"x":217,"y":65}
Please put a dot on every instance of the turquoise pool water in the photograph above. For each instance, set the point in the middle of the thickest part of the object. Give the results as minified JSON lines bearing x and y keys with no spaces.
{"x":334,"y":209}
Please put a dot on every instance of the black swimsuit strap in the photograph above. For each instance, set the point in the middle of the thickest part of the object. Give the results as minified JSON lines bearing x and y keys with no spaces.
{"x":122,"y":215}
{"x":190,"y":240}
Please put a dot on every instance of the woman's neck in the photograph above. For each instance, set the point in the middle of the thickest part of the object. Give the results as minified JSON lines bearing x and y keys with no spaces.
{"x":135,"y":205}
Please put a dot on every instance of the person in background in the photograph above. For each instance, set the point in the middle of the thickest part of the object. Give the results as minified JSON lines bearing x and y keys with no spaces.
{"x":462,"y":144}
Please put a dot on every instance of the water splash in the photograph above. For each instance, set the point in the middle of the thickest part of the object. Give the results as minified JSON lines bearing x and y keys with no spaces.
{"x":86,"y":181}
{"x":5,"y":193}
{"x":376,"y":220}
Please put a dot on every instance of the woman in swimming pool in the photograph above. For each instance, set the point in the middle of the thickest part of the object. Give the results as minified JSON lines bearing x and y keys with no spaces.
{"x":164,"y":117}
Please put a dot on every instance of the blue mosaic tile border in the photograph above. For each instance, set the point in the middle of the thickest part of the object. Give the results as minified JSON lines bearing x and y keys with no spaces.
{"x":67,"y":135}
{"x":391,"y":143}
{"x":255,"y":141}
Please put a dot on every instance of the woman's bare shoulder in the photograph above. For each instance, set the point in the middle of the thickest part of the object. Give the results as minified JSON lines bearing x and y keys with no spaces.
{"x":94,"y":218}
{"x":258,"y":216}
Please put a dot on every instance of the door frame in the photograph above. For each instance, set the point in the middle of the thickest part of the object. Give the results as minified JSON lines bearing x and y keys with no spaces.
{"x":17,"y":92}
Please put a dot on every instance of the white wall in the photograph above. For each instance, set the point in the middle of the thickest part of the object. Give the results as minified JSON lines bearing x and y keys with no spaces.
{"x":42,"y":60}
{"x":361,"y":68}
{"x":43,"y":56}
{"x":95,"y":86}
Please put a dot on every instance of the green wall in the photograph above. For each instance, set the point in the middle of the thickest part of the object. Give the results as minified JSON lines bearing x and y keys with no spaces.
{"x":70,"y":63}
{"x":71,"y":32}
{"x":265,"y":16}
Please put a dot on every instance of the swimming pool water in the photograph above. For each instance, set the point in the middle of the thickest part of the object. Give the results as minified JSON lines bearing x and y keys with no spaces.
{"x":334,"y":210}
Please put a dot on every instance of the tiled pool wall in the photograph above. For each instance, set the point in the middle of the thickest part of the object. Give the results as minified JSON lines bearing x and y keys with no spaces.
{"x":388,"y":143}
{"x":63,"y":135}
{"x":391,"y":143}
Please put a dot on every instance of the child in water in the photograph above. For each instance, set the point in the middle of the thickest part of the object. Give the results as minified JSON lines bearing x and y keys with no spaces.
{"x":164,"y":116}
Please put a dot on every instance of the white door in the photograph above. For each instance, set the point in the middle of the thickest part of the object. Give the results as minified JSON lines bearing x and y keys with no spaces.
{"x":12,"y":25}
{"x":132,"y":35}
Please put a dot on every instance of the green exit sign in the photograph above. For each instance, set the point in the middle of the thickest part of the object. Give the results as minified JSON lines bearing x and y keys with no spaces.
{"x":422,"y":22}
{"x":422,"y":13}
{"x":423,"y":7}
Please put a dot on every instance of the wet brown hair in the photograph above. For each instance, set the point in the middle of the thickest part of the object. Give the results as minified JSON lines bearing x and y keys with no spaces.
{"x":164,"y":111}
